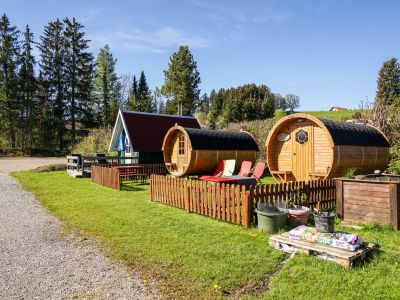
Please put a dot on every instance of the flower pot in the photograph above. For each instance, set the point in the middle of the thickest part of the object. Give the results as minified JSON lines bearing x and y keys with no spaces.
{"x":298,"y":215}
{"x":325,"y":221}
{"x":272,"y":220}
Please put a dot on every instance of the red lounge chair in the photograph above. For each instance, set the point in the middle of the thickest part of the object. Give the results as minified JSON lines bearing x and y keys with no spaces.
{"x":217,"y":173}
{"x":245,"y":168}
{"x":258,"y":171}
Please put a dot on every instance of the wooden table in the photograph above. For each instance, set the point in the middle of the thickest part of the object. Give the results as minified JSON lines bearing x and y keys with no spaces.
{"x":131,"y":172}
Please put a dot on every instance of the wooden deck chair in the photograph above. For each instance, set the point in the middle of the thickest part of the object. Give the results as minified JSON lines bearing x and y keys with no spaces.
{"x":229,"y":167}
{"x":245,"y":168}
{"x":218,"y":171}
{"x":258,"y":170}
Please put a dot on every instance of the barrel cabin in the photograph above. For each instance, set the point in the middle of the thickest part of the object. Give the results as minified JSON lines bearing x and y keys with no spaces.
{"x":192,"y":151}
{"x":304,"y":147}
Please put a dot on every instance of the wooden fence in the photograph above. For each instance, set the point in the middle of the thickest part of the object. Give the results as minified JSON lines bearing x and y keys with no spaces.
{"x":232,"y":203}
{"x":223,"y":202}
{"x":105,"y":176}
{"x":108,"y":176}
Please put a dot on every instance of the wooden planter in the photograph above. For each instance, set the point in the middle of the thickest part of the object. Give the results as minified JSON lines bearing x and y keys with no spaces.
{"x":368,"y":201}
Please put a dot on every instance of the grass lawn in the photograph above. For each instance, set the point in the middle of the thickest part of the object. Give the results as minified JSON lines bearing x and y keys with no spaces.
{"x":189,"y":255}
{"x":196,"y":257}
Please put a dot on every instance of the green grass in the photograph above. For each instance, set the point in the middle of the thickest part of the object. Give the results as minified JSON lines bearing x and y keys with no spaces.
{"x":268,"y":180}
{"x":189,"y":255}
{"x":305,"y":277}
{"x":341,"y":115}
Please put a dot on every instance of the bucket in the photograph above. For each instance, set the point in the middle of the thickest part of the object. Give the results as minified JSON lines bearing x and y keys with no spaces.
{"x":272,"y":220}
{"x":325,"y":221}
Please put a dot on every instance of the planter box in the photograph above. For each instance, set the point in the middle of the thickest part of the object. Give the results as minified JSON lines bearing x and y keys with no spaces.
{"x":369,"y":200}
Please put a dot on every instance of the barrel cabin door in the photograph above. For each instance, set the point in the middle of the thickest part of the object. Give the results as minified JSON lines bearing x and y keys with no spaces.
{"x":303,"y":148}
{"x":181,"y":159}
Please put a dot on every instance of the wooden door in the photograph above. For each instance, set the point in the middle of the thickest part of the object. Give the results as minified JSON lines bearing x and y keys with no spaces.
{"x":181,"y":152}
{"x":302,"y":146}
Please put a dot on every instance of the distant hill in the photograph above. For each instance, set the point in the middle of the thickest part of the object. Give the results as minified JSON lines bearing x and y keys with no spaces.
{"x":342,"y":115}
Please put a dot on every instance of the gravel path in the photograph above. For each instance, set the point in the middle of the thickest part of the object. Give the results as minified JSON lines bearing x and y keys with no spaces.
{"x":10,"y":164}
{"x":37,"y":261}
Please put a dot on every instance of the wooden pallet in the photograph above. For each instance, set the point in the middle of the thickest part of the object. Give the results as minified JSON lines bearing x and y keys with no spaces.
{"x":345,"y":258}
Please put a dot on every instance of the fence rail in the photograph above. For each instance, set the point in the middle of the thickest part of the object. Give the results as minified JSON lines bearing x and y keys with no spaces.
{"x":232,"y":203}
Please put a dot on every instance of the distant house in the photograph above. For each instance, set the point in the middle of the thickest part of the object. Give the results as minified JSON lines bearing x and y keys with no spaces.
{"x":337,"y":108}
{"x":140,"y":135}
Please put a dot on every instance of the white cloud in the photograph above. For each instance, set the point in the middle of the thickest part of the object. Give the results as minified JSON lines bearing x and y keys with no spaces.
{"x":157,"y":40}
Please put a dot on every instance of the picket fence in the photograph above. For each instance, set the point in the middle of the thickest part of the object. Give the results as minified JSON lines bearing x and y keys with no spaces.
{"x":232,"y":203}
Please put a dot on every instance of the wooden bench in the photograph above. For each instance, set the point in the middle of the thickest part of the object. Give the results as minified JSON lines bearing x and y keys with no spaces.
{"x":343,"y":257}
{"x":133,"y":176}
{"x":317,"y":175}
{"x":285,"y":174}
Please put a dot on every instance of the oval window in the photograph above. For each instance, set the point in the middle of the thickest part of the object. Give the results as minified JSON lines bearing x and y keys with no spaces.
{"x":283,"y":137}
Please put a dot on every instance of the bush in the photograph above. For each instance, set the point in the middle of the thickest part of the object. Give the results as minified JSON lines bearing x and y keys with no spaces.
{"x":97,"y":141}
{"x":259,"y":129}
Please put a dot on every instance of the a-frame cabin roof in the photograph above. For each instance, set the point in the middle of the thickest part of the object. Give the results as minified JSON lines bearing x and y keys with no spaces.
{"x":146,"y":131}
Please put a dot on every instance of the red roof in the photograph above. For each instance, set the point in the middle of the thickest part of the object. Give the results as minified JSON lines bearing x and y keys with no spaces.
{"x":338,"y":108}
{"x":146,"y":130}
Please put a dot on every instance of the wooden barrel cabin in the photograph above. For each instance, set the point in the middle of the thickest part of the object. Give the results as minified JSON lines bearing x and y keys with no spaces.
{"x":192,"y":151}
{"x":304,"y":147}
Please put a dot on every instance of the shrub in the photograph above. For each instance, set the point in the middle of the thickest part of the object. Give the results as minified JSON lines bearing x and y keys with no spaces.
{"x":96,"y":141}
{"x":259,"y":129}
{"x":350,"y":173}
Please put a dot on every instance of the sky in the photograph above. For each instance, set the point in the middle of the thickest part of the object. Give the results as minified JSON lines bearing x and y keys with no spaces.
{"x":327,"y":52}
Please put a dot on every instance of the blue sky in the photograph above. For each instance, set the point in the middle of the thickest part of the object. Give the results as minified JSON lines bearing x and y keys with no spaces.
{"x":327,"y":52}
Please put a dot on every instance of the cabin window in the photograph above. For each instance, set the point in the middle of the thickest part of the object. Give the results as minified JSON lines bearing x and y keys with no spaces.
{"x":182,"y":144}
{"x":302,"y":137}
{"x":127,"y":146}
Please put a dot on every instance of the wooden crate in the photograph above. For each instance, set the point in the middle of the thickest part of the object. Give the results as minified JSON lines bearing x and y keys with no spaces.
{"x":368,"y":201}
{"x":343,"y":257}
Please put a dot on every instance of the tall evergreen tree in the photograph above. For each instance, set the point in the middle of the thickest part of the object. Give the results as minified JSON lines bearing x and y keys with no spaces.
{"x":52,"y":66}
{"x":9,"y":101}
{"x":106,"y":87}
{"x":182,"y":81}
{"x":78,"y":74}
{"x":133,"y":95}
{"x":27,"y":87}
{"x":144,"y":95}
{"x":204,"y":104}
{"x":389,"y":83}
{"x":43,"y":114}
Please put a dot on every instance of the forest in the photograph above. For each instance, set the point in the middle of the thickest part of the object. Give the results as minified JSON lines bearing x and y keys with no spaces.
{"x":50,"y":102}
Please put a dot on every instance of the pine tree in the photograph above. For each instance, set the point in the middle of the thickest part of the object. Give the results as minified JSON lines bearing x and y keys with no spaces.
{"x":52,"y":66}
{"x":389,"y":83}
{"x":10,"y":105}
{"x":27,"y":87}
{"x":133,"y":95}
{"x":78,"y":74}
{"x":204,"y":104}
{"x":144,"y":95}
{"x":182,"y":81}
{"x":157,"y":101}
{"x":106,"y":87}
{"x":43,"y":114}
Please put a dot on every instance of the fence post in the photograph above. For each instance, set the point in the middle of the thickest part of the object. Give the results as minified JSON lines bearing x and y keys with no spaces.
{"x":186,"y":195}
{"x":151,"y":187}
{"x":247,"y":209}
{"x":339,"y":197}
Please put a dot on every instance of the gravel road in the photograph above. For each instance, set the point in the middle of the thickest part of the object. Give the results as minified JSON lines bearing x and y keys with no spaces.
{"x":38,"y":261}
